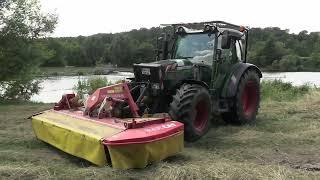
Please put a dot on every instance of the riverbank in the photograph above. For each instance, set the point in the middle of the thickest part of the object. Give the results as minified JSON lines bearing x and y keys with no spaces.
{"x":270,"y":69}
{"x":105,"y":70}
{"x":282,"y":144}
{"x":80,"y":71}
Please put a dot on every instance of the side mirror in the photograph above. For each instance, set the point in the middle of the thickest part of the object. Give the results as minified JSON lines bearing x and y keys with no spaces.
{"x":162,"y":46}
{"x":160,"y":40}
{"x":225,"y":41}
{"x":219,"y":54}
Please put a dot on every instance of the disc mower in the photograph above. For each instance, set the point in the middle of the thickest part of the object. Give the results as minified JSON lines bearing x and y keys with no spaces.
{"x":198,"y":74}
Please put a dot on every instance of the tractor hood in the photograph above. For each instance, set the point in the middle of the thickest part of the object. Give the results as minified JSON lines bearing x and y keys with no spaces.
{"x":164,"y":63}
{"x":154,"y":71}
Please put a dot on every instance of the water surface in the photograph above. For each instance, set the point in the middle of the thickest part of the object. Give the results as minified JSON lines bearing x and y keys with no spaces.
{"x":54,"y":87}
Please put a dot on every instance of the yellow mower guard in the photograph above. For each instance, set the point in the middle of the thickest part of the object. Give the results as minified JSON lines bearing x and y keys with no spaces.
{"x":78,"y":137}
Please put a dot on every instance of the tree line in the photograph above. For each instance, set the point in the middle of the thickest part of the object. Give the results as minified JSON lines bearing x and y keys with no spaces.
{"x":278,"y":50}
{"x":271,"y":49}
{"x":121,"y":49}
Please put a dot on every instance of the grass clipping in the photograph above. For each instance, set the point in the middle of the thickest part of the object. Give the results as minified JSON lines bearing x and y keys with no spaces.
{"x":282,"y":144}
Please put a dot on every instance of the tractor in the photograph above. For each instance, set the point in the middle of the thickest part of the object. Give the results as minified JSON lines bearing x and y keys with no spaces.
{"x":199,"y":74}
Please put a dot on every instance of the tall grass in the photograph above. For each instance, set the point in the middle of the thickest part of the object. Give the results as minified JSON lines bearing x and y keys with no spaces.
{"x":282,"y":91}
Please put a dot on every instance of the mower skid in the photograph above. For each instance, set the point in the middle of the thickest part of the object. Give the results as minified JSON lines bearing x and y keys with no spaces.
{"x":139,"y":155}
{"x":109,"y":140}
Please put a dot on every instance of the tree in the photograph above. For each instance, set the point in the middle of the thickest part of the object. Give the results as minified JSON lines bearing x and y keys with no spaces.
{"x":56,"y":51}
{"x":273,"y":50}
{"x":22,"y":24}
{"x":121,"y":48}
{"x":289,"y":63}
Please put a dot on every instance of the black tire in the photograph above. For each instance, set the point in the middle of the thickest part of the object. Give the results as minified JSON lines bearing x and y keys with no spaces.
{"x":246,"y":101}
{"x":191,"y":105}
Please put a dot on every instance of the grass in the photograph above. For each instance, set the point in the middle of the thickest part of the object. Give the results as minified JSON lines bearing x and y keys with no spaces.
{"x":282,"y":91}
{"x":282,"y":144}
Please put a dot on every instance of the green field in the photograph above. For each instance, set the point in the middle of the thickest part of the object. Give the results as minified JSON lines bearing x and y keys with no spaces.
{"x":283,"y":143}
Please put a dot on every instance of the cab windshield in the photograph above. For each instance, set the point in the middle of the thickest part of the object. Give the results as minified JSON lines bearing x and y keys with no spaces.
{"x":196,"y":47}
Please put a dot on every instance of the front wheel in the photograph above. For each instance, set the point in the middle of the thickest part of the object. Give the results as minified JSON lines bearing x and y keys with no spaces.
{"x":247,"y":100}
{"x":191,"y":105}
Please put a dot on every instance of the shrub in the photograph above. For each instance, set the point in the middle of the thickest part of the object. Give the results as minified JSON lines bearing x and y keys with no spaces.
{"x":80,"y":73}
{"x":98,"y":72}
{"x":87,"y":87}
{"x":54,"y":74}
{"x":282,"y":91}
{"x":18,"y":90}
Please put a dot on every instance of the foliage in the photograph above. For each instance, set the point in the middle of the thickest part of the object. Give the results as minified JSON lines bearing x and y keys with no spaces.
{"x":282,"y":91}
{"x":21,"y":52}
{"x":278,"y":50}
{"x":19,"y":90}
{"x":88,"y":86}
{"x":269,"y":48}
{"x":99,"y":72}
{"x":120,"y":49}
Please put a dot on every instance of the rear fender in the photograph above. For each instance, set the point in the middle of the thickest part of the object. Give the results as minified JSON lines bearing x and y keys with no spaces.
{"x":187,"y":81}
{"x":231,"y":86}
{"x":191,"y":81}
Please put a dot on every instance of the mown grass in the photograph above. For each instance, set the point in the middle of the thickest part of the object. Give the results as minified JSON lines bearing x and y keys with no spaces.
{"x":283,"y":143}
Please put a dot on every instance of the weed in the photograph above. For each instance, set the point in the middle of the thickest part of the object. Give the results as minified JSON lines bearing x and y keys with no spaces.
{"x":282,"y":91}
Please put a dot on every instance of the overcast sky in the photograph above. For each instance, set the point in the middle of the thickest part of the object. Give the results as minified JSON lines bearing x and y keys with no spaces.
{"x":87,"y":17}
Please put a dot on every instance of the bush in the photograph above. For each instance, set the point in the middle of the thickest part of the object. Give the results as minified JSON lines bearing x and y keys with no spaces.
{"x":282,"y":91}
{"x":18,"y":90}
{"x":98,"y":72}
{"x":80,"y":73}
{"x":54,"y":74}
{"x":87,"y":87}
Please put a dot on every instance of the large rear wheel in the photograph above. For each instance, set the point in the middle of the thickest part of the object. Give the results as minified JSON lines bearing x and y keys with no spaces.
{"x":191,"y":105}
{"x":247,"y":100}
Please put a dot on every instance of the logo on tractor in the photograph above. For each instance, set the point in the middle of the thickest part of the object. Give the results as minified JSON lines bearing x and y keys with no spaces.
{"x":115,"y":90}
{"x":158,"y":128}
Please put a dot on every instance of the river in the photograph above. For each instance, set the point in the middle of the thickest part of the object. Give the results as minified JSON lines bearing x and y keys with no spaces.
{"x":54,"y":87}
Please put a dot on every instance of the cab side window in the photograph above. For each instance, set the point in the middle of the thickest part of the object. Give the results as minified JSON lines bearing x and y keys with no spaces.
{"x":238,"y":46}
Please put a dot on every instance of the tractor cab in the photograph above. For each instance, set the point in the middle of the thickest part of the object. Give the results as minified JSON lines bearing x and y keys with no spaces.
{"x":212,"y":42}
{"x":197,"y":46}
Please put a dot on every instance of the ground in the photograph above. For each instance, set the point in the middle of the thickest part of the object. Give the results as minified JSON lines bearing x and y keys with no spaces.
{"x":283,"y":143}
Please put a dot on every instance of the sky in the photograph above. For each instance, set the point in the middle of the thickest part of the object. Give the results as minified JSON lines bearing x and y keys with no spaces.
{"x":87,"y":17}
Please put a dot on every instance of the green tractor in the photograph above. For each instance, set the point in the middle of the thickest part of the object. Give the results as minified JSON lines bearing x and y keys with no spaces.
{"x":198,"y":75}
